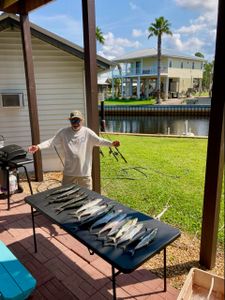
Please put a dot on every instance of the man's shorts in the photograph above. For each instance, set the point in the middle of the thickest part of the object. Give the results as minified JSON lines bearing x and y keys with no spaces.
{"x":85,"y":181}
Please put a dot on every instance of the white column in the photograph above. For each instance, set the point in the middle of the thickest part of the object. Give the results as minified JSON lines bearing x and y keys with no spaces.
{"x":166,"y":87}
{"x":200,"y":86}
{"x":131,"y":87}
{"x":126,"y":87}
{"x":122,"y":90}
{"x":138,"y":87}
{"x":113,"y":88}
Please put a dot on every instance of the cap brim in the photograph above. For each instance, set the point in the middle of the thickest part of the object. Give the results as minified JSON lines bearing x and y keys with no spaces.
{"x":75,"y":118}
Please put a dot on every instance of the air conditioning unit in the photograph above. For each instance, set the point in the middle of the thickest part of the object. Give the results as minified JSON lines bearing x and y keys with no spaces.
{"x":11,"y":99}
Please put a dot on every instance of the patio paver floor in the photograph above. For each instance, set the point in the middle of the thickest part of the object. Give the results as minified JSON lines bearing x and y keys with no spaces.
{"x":63,"y":267}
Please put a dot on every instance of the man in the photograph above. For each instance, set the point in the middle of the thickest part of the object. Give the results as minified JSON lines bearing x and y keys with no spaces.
{"x":77,"y":142}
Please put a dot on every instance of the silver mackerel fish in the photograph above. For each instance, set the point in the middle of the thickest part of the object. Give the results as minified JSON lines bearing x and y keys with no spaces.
{"x":145,"y":241}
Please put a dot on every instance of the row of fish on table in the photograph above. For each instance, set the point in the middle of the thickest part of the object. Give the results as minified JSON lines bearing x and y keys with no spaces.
{"x":111,"y":225}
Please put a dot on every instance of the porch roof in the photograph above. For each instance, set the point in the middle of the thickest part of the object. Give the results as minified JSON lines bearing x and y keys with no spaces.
{"x":152,"y":52}
{"x":9,"y":20}
{"x":14,"y":6}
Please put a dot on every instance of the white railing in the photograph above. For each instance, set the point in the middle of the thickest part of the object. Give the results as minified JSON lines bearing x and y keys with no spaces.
{"x":138,"y":72}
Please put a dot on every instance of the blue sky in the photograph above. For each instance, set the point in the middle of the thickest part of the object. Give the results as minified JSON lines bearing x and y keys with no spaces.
{"x":124,"y":24}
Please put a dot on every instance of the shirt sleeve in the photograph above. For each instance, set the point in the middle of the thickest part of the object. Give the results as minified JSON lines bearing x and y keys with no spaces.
{"x":97,"y":141}
{"x":51,"y":142}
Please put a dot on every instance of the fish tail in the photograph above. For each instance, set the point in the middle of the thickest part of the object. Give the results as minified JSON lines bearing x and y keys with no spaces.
{"x":132,"y":251}
{"x":71,"y":214}
{"x":101,"y":238}
{"x":108,"y":243}
{"x":113,"y":240}
{"x":123,"y":247}
{"x":99,"y":234}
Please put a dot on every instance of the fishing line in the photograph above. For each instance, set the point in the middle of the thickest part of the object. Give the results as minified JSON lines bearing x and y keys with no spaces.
{"x":115,"y":153}
{"x":48,"y":184}
{"x":59,"y":155}
{"x":186,"y":171}
{"x":125,"y":173}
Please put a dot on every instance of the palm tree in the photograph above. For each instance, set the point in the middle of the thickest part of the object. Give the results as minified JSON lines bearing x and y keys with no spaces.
{"x":158,"y":28}
{"x":99,"y":35}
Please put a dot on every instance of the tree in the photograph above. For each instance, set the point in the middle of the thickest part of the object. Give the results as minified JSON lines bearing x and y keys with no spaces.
{"x":199,"y":54}
{"x":99,"y":35}
{"x":207,"y":76}
{"x":160,"y":27}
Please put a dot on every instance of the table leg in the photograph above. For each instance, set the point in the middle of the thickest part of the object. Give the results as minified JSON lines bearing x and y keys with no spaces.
{"x":34,"y":233}
{"x":8,"y":187}
{"x":114,"y":283}
{"x":164,"y":262}
{"x":28,"y":179}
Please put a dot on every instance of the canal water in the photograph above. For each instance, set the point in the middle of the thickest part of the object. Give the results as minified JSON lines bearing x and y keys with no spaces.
{"x":177,"y":125}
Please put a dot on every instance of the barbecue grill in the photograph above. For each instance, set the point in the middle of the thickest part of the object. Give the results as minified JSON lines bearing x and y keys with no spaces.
{"x":13,"y":157}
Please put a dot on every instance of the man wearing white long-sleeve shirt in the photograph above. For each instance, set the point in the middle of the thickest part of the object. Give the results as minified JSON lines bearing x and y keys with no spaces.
{"x":77,"y":142}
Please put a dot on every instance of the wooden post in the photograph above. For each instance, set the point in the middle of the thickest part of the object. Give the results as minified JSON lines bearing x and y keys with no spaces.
{"x":102,"y":115}
{"x":215,"y":152}
{"x":88,"y":9}
{"x":31,"y":92}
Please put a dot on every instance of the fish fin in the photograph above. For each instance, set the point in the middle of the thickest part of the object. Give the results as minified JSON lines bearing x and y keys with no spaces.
{"x":132,"y":251}
{"x":123,"y":247}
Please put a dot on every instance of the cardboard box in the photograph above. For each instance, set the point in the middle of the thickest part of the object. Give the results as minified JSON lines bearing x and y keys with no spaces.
{"x":201,"y":285}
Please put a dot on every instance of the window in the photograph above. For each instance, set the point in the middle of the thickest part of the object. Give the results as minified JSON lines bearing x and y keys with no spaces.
{"x":11,"y":100}
{"x":193,"y":65}
{"x":182,"y":65}
{"x":138,"y":67}
{"x":170,"y":64}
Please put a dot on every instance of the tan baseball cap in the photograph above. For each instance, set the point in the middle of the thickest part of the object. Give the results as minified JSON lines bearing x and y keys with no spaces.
{"x":76,"y":114}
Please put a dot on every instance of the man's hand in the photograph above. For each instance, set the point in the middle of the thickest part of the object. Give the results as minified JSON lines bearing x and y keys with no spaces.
{"x":32,"y":149}
{"x":116,"y":143}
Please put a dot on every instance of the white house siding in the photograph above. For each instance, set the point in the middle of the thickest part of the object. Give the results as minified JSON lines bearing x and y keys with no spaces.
{"x":186,"y":71}
{"x":59,"y":79}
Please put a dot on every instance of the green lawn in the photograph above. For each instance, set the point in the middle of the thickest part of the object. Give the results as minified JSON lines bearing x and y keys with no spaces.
{"x":129,"y":102}
{"x":160,"y":171}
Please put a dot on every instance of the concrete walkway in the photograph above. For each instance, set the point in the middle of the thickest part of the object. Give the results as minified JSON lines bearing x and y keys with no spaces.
{"x":63,"y":267}
{"x":173,"y":101}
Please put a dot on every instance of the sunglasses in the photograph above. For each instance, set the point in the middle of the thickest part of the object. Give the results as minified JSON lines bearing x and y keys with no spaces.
{"x":75,"y":121}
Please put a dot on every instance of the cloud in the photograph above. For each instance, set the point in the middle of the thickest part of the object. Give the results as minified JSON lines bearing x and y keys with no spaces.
{"x":114,"y":47}
{"x":198,"y":4}
{"x":190,"y":45}
{"x":62,"y":25}
{"x":137,"y":32}
{"x":133,"y":6}
{"x":200,"y":33}
{"x":192,"y":29}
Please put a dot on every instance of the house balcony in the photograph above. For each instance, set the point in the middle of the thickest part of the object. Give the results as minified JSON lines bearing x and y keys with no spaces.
{"x":134,"y":72}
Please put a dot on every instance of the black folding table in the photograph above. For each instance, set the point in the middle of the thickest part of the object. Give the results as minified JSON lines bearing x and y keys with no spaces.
{"x":12,"y":165}
{"x":120,"y":260}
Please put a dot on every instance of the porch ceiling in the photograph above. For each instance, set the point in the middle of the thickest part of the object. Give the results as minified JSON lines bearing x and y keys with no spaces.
{"x":21,"y":6}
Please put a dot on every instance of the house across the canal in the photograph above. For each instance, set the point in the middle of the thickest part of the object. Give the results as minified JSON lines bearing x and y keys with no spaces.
{"x":60,"y":84}
{"x":180,"y":74}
